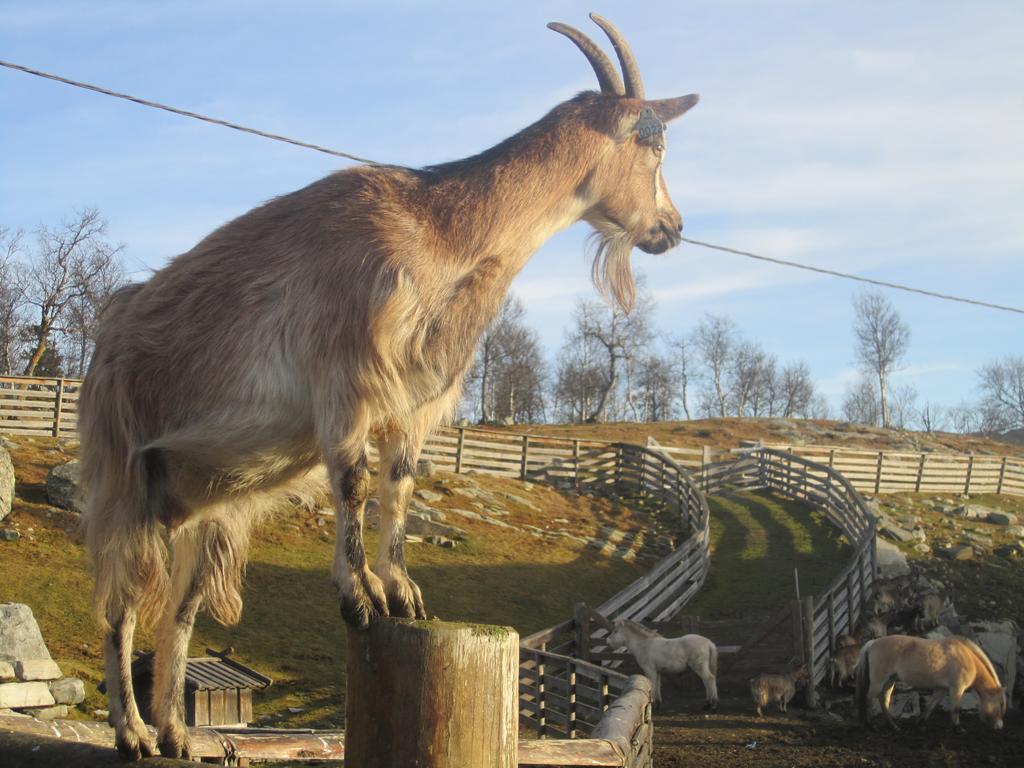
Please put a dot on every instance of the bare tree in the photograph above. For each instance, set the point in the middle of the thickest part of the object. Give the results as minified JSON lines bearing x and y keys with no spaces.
{"x":493,"y":347}
{"x":578,"y":381}
{"x":519,"y":377}
{"x":796,"y":390}
{"x":750,"y":379}
{"x":882,"y":339}
{"x":657,"y":389}
{"x":618,"y":337}
{"x":932,"y":417}
{"x":10,"y":300}
{"x":964,"y":418}
{"x":64,"y":268}
{"x":860,"y":402}
{"x":1002,"y":389}
{"x":903,"y":407}
{"x":682,"y":365}
{"x":715,"y":339}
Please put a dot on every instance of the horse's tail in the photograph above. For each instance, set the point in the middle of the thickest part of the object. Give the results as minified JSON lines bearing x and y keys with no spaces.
{"x":864,"y":681}
{"x":713,"y":660}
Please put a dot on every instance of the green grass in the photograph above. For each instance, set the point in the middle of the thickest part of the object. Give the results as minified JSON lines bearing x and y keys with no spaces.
{"x":757,"y":539}
{"x":291,"y":629}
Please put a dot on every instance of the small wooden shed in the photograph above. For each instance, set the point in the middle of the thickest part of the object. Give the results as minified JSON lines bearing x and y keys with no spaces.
{"x":218,"y":689}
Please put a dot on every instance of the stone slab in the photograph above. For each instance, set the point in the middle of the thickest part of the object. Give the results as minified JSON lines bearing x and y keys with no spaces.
{"x":56,"y":712}
{"x":891,"y":562}
{"x":20,"y":637}
{"x":7,"y":672}
{"x":18,"y":695}
{"x":69,"y":690}
{"x":6,"y":483}
{"x":37,"y":669}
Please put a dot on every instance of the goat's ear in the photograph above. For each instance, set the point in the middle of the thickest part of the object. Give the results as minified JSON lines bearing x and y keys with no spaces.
{"x":670,"y":109}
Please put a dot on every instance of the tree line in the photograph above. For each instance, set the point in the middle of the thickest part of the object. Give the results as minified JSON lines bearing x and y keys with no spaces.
{"x":611,"y":366}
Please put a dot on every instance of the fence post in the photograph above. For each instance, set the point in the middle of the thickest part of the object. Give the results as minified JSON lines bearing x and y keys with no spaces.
{"x":58,"y":406}
{"x":1002,"y":473}
{"x":831,"y":457}
{"x":458,"y":450}
{"x":581,"y":617}
{"x":576,"y":462}
{"x":851,"y":606}
{"x":525,"y":457}
{"x":970,"y":471}
{"x":432,"y":694}
{"x":920,"y":473}
{"x":812,"y":694}
{"x":542,"y":715}
{"x":572,"y":703}
{"x":878,"y":472}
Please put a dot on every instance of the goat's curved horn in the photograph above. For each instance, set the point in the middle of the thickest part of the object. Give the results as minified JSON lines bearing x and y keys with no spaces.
{"x":604,"y":69}
{"x":630,"y":70}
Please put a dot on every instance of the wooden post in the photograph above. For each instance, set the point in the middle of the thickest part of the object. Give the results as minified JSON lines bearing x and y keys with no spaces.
{"x":878,"y":472}
{"x":798,"y":628}
{"x":432,"y":694}
{"x":542,"y":715}
{"x":811,"y":692}
{"x":1002,"y":473}
{"x":970,"y":471}
{"x":920,"y":473}
{"x":458,"y":450}
{"x":525,"y":457}
{"x":582,"y":619}
{"x":831,"y":457}
{"x":58,"y":406}
{"x":576,"y":462}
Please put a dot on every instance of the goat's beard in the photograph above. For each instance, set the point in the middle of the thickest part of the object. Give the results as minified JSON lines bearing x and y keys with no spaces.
{"x":611,"y":270}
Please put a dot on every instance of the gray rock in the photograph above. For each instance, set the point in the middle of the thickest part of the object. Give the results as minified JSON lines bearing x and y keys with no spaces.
{"x":425,"y":468}
{"x":1016,"y":530}
{"x":1000,"y":640}
{"x":62,"y":486}
{"x":56,"y":712}
{"x":1002,"y":518}
{"x":891,"y":530}
{"x":6,"y":483}
{"x":441,"y":541}
{"x":20,"y":637}
{"x":891,"y":562}
{"x":424,"y":526}
{"x":428,"y":495}
{"x":69,"y":690}
{"x":6,"y":671}
{"x":973,"y":511}
{"x":18,"y":695}
{"x":36,"y":669}
{"x":956,"y":552}
{"x":9,"y":534}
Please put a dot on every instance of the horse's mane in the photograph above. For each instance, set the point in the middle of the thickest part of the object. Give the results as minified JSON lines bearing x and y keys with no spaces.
{"x":981,"y":655}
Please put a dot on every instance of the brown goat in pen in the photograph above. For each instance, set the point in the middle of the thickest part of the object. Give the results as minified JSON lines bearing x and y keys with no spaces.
{"x":767,"y":688}
{"x":289,"y":337}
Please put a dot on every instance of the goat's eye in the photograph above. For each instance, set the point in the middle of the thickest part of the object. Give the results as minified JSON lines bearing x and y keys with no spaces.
{"x":659,"y":149}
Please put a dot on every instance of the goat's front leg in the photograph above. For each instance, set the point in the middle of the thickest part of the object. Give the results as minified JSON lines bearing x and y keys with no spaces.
{"x":361,"y":592}
{"x":397,"y":467}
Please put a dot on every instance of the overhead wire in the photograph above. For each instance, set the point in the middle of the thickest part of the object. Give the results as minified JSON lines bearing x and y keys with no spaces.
{"x":357,"y":158}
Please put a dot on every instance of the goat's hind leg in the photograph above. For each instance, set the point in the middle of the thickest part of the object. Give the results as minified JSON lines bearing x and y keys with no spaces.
{"x":188,"y":573}
{"x":397,"y":468}
{"x":130,"y":734}
{"x":362,"y":593}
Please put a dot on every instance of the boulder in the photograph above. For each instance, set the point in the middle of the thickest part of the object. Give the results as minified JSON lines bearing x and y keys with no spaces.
{"x":956,"y":552}
{"x":428,"y":495}
{"x":424,"y":526}
{"x":69,"y":690}
{"x":20,"y":637}
{"x":18,"y":695}
{"x":1002,"y":518}
{"x":36,"y":669}
{"x":973,"y":511}
{"x":1000,"y":640}
{"x":1016,"y":530}
{"x":425,"y":468}
{"x":6,"y":483}
{"x":9,"y":534}
{"x":62,"y":486}
{"x":6,"y":671}
{"x":891,"y":562}
{"x":56,"y":712}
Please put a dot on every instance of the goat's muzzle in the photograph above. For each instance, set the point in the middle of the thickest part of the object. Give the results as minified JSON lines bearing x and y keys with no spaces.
{"x":661,"y":237}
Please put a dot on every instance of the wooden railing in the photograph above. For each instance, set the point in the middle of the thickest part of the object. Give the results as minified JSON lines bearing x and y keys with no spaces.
{"x":840,"y":605}
{"x":38,"y":406}
{"x":925,"y":472}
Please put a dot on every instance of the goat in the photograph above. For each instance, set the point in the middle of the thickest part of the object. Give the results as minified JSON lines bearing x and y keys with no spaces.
{"x":779,"y":688}
{"x":844,"y":663}
{"x":345,"y":311}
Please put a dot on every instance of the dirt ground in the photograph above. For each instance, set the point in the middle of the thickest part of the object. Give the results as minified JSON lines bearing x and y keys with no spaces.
{"x":685,"y":736}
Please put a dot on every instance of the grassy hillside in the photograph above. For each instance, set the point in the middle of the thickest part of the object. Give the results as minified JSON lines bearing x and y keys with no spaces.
{"x":727,"y":433}
{"x":291,"y":629}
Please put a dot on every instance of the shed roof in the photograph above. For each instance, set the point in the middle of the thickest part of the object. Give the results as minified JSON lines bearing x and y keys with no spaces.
{"x":206,"y":673}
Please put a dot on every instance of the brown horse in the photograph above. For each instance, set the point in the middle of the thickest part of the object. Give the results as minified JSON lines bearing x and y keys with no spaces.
{"x":951,"y":666}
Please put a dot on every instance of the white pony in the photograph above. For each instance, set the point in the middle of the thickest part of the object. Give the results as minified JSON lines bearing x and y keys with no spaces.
{"x":656,"y":654}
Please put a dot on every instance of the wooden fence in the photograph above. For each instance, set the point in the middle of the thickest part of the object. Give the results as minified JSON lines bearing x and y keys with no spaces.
{"x":839,"y":606}
{"x":925,"y":472}
{"x":39,"y":407}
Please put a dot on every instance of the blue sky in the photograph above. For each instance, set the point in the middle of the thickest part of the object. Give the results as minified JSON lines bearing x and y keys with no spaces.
{"x":881,"y":138}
